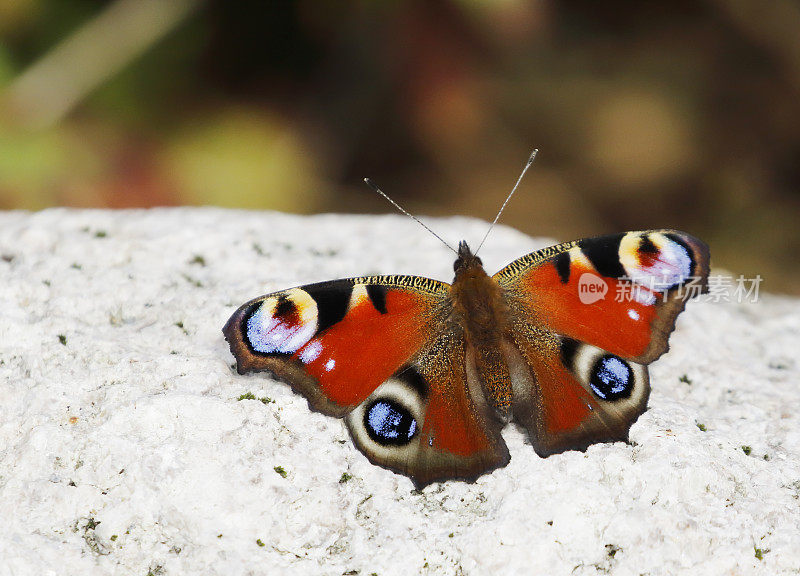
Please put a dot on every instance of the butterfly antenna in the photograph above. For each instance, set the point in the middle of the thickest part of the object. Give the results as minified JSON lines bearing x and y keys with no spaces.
{"x":417,"y":220}
{"x":510,"y":194}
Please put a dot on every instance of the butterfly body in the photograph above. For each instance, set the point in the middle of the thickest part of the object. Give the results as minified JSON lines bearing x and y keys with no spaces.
{"x":483,"y":316}
{"x":426,"y":373}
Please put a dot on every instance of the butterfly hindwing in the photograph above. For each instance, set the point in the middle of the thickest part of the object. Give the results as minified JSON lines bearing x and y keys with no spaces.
{"x":426,"y":423}
{"x":569,"y":394}
{"x":578,"y":362}
{"x":381,"y":352}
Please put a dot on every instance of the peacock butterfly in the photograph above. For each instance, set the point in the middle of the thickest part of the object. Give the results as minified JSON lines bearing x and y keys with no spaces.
{"x":426,"y":373}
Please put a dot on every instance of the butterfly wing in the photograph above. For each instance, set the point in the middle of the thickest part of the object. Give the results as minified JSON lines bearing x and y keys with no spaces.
{"x":577,"y":354}
{"x":430,"y":421}
{"x":381,"y":352}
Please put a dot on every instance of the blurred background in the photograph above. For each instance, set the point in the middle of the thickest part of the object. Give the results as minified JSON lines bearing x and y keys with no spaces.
{"x":680,"y":114}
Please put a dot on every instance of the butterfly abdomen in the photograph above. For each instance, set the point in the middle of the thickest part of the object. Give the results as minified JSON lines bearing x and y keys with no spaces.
{"x":479,"y":307}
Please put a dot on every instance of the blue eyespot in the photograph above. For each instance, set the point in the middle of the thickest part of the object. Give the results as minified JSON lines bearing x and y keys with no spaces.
{"x":611,"y":378}
{"x":389,"y":423}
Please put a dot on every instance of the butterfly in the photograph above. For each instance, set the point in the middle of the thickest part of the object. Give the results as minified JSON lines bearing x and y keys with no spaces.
{"x":426,"y":374}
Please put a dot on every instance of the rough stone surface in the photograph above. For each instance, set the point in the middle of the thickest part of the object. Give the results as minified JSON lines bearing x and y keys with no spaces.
{"x":124,"y":449}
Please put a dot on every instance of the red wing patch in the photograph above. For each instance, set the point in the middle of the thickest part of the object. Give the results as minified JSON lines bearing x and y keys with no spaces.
{"x":452,"y":424}
{"x":620,"y":322}
{"x":566,"y":404}
{"x":352,"y":357}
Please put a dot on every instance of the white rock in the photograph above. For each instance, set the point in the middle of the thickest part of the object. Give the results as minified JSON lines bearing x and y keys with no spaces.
{"x":124,"y":449}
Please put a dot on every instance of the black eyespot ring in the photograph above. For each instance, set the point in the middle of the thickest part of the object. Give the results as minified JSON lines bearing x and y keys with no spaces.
{"x":389,"y":423}
{"x":611,"y":378}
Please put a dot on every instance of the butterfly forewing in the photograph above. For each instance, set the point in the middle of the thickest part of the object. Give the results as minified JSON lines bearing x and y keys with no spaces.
{"x":621,"y":292}
{"x":335,"y":342}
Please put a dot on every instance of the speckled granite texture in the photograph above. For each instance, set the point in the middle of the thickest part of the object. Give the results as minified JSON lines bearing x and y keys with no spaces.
{"x":124,"y":448}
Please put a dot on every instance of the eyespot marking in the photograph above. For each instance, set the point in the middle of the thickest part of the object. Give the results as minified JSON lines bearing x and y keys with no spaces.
{"x":284,"y":308}
{"x":391,"y":419}
{"x":611,"y":378}
{"x":646,"y":246}
{"x":411,"y":377}
{"x":389,"y":423}
{"x":656,"y":261}
{"x":281,"y":324}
